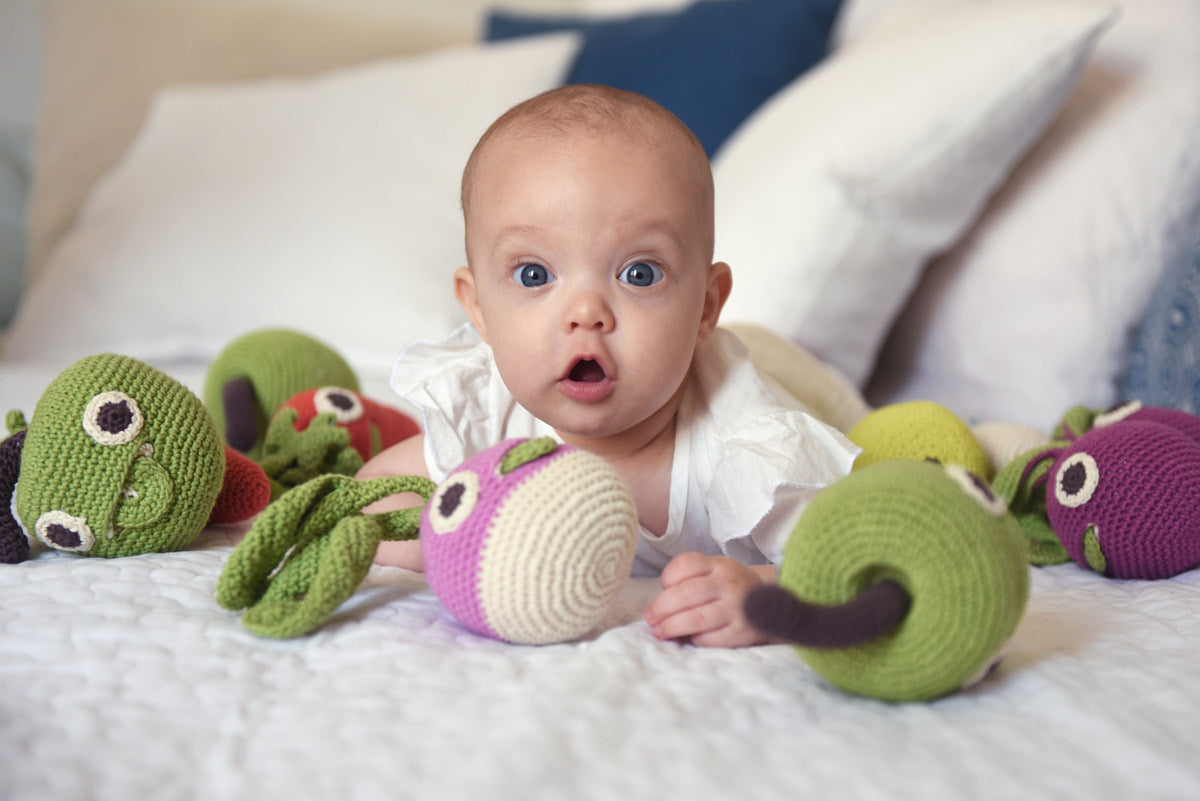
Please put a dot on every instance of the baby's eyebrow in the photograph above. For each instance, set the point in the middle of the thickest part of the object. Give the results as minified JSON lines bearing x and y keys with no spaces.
{"x":518,"y":232}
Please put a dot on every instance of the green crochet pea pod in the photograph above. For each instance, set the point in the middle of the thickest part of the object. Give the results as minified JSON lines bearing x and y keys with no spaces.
{"x":311,"y":549}
{"x":902,"y":581}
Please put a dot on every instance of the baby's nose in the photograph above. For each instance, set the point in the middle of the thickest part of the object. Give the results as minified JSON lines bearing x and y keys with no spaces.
{"x":589,"y":309}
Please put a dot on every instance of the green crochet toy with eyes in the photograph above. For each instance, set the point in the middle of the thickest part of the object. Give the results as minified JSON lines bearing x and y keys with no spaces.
{"x":901,"y":581}
{"x":118,"y":459}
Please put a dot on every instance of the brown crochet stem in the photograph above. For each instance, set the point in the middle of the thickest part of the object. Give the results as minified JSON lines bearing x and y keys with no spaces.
{"x":877,"y":611}
{"x":14,"y":545}
{"x":241,"y":425}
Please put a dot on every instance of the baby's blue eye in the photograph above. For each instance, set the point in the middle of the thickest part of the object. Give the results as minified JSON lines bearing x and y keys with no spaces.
{"x":532,"y":275}
{"x":641,"y":273}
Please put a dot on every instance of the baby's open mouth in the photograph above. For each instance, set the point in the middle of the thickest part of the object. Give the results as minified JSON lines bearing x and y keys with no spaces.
{"x":587,"y":371}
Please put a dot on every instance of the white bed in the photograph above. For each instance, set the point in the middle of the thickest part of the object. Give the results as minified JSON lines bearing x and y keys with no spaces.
{"x":917,"y":239}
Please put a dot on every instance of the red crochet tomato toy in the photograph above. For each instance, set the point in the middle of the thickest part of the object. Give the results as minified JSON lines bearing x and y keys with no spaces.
{"x":372,"y":425}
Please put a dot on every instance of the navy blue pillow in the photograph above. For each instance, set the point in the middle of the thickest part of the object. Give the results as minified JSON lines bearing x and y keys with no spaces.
{"x":712,"y":63}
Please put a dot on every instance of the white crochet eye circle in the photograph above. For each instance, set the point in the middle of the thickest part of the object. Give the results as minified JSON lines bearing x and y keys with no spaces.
{"x":1076,"y":480}
{"x":453,"y":501}
{"x":345,"y":404}
{"x":112,"y":418}
{"x":1116,"y":414}
{"x":64,"y":532}
{"x":977,"y":489}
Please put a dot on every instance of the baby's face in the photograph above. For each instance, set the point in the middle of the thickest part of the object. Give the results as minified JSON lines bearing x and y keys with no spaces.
{"x":591,"y":277}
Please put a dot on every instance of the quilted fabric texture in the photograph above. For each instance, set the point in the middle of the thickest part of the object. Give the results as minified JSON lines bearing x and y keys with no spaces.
{"x":394,"y":699}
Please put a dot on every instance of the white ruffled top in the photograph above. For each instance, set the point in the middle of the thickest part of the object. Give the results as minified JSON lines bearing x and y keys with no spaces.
{"x":747,"y":458}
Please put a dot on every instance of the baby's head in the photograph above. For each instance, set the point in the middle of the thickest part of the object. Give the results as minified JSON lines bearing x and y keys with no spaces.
{"x":589,"y":234}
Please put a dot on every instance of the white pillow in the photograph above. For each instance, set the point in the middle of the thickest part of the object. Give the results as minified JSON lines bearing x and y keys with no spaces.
{"x":833,"y":196}
{"x":1033,"y":311}
{"x":327,"y":204}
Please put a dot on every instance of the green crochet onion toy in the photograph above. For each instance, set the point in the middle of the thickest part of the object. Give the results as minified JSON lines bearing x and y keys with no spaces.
{"x":118,"y":459}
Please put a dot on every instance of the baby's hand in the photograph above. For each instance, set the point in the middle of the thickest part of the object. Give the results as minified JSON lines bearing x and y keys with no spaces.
{"x":702,"y":599}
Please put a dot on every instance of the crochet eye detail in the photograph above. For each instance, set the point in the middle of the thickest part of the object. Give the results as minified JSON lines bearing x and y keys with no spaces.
{"x":345,"y":405}
{"x":977,"y":489}
{"x":453,"y":501}
{"x":1076,"y":480}
{"x":641,"y":273}
{"x":64,"y":532}
{"x":532,"y":276}
{"x":112,"y":418}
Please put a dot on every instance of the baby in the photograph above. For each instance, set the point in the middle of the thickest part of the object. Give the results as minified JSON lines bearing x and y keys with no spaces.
{"x":594,"y":300}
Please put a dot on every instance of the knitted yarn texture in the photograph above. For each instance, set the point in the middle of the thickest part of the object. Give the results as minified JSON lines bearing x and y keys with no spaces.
{"x":1124,"y":500}
{"x":254,"y":374}
{"x":529,"y":541}
{"x":950,"y":543}
{"x":118,"y":459}
{"x":918,"y":429}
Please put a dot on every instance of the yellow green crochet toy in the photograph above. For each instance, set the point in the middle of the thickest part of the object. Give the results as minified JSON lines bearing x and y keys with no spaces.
{"x":901,"y":581}
{"x":918,"y":429}
{"x":118,"y":459}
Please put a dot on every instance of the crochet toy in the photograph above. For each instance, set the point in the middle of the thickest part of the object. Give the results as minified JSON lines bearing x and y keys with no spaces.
{"x":1122,"y":497}
{"x":527,"y":542}
{"x":256,"y":373}
{"x":901,"y":581}
{"x":328,"y":430}
{"x":917,"y":429}
{"x":118,"y":459}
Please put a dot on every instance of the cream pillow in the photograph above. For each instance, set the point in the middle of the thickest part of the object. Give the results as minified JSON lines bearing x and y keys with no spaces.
{"x":1035,"y":309}
{"x":105,"y":60}
{"x":834,"y":195}
{"x":327,"y":204}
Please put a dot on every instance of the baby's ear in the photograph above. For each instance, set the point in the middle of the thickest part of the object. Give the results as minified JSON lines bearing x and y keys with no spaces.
{"x":720,"y":282}
{"x":464,"y":290}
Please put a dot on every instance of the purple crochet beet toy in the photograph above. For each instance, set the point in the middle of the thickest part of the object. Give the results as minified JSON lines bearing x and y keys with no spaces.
{"x":1123,"y":498}
{"x":529,"y":541}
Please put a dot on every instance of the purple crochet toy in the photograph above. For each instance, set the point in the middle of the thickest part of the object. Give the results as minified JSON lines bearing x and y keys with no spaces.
{"x":1124,"y":497}
{"x":529,"y":541}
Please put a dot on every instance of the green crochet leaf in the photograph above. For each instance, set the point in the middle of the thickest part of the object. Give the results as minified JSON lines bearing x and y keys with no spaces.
{"x":1017,"y":484}
{"x":310,"y":550}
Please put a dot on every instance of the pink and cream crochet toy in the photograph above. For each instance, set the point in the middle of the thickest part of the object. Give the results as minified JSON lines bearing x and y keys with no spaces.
{"x":527,"y":542}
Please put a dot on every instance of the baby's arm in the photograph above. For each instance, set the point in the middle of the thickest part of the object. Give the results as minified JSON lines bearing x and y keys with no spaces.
{"x":702,"y":599}
{"x":405,"y":458}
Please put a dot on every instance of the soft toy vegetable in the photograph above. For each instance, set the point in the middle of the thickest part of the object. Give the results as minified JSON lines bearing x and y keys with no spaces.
{"x":1121,"y":498}
{"x":328,"y":430}
{"x":119,"y":459}
{"x":254,"y":374}
{"x":526,"y":542}
{"x":901,"y":581}
{"x":529,"y":541}
{"x":918,"y":429}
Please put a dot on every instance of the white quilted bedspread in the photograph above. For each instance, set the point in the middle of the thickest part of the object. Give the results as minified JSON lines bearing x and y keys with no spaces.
{"x":124,"y":680}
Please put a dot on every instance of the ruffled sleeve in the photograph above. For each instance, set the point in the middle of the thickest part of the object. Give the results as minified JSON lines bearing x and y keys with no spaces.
{"x":768,"y":471}
{"x":464,"y":405}
{"x":767,"y":459}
